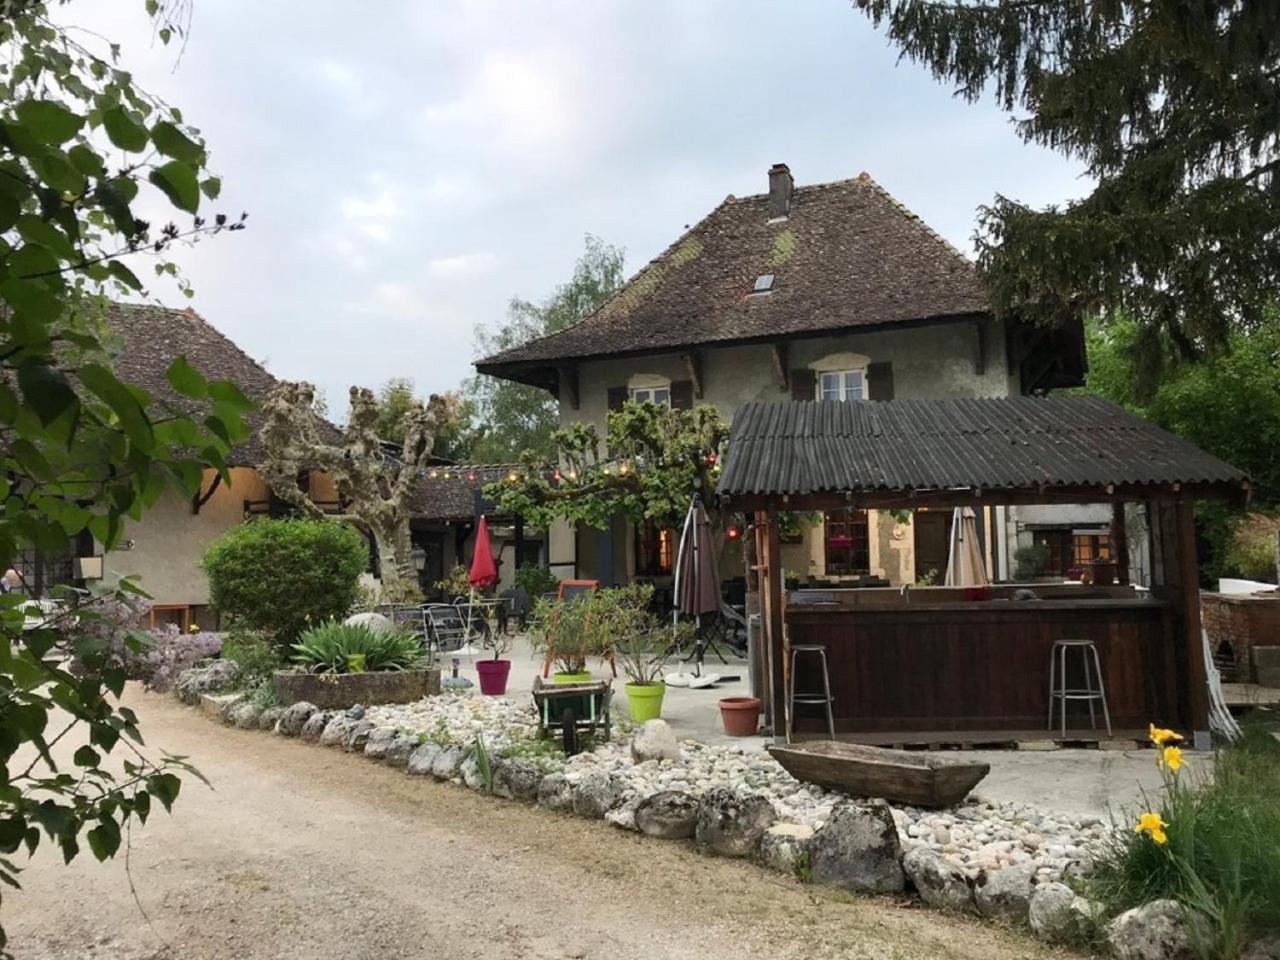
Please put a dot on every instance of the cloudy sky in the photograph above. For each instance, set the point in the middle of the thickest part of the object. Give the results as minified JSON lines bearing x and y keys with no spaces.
{"x":408,"y":167}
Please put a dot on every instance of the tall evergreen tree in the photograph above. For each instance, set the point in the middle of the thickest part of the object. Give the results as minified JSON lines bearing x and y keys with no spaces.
{"x":1174,"y":108}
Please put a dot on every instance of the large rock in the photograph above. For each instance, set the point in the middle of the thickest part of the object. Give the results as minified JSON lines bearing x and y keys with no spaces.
{"x":595,"y":793}
{"x":448,"y":760}
{"x":374,"y":621}
{"x":214,"y":677}
{"x":1058,"y":914}
{"x":469,"y":771}
{"x":245,"y":715}
{"x":314,"y":726}
{"x":357,"y":736}
{"x":516,"y":778}
{"x":379,"y":742}
{"x":623,"y":813}
{"x":939,"y":882}
{"x":1005,"y":893}
{"x":269,"y":718}
{"x":335,"y":731}
{"x":669,"y":815}
{"x":785,"y":847}
{"x":294,"y":716}
{"x":857,"y":849}
{"x":1153,"y":931}
{"x":654,"y":741}
{"x":555,"y":793}
{"x":400,"y":750}
{"x":731,"y":825}
{"x":423,"y":759}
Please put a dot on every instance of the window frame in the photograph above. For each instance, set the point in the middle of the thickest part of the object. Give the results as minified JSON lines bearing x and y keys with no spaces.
{"x":857,"y":559}
{"x":843,"y":383}
{"x":649,"y":395}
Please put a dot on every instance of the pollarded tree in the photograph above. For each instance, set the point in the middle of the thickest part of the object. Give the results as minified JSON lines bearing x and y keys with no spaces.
{"x":651,"y":463}
{"x":373,"y":485}
{"x":1173,"y":108}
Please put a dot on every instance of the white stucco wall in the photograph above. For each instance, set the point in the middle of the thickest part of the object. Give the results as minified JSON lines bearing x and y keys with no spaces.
{"x":931,"y":362}
{"x":169,"y":539}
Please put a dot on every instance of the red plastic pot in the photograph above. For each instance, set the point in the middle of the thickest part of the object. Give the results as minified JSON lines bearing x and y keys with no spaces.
{"x":493,"y":676}
{"x":740,"y":715}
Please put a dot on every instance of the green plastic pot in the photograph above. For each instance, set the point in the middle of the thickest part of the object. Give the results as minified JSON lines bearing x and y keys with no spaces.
{"x":645,"y":700}
{"x":561,"y":676}
{"x":355,"y":662}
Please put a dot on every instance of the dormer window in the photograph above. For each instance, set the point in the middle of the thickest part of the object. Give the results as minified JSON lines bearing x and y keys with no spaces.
{"x":763,"y":284}
{"x":842,"y":385}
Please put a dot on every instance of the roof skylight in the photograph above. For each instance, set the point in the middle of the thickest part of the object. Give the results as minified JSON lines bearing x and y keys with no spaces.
{"x":764,"y":283}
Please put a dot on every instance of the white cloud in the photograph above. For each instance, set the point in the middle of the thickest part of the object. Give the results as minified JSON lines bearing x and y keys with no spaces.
{"x":390,"y":299}
{"x":462,"y":266}
{"x":529,"y":101}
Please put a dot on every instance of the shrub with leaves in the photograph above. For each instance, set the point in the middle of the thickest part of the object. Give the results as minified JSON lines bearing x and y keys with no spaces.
{"x":84,"y":150}
{"x":330,"y":648}
{"x":1251,"y":547}
{"x":536,"y":580}
{"x":279,"y":576}
{"x":254,"y":655}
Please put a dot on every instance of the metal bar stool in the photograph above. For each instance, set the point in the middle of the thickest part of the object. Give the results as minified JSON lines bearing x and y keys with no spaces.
{"x":823,"y":698}
{"x":1060,"y":693}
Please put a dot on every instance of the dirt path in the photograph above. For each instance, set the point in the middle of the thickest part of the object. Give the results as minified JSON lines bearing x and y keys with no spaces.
{"x":304,"y":852}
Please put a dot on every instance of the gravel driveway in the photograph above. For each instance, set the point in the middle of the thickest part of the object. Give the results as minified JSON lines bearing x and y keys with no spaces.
{"x":303,"y":852}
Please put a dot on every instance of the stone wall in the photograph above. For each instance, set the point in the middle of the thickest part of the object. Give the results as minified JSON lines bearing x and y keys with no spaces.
{"x":346,"y":689}
{"x":1241,"y":623}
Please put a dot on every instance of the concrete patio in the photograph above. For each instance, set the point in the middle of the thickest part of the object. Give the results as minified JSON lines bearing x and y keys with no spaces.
{"x":1079,"y":782}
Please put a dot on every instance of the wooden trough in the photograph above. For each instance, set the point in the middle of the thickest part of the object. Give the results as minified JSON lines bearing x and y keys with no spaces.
{"x":920,"y":779}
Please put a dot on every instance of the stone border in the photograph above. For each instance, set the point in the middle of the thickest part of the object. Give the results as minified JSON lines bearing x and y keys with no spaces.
{"x":348,"y":689}
{"x":857,"y":849}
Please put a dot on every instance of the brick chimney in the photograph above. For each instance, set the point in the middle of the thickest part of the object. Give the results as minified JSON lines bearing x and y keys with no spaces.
{"x":780,"y":187}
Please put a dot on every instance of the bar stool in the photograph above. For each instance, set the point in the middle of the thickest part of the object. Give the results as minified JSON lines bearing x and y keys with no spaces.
{"x":1059,"y":692}
{"x":823,"y":698}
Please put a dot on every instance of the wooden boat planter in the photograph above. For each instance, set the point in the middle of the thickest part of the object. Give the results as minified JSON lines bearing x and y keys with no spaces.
{"x":920,"y":779}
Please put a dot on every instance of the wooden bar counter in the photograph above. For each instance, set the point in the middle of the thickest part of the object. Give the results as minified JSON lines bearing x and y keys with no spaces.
{"x":933,"y":661}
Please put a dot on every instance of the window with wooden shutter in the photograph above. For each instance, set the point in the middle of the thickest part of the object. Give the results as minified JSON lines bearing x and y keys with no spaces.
{"x":617,"y":397}
{"x":682,"y":394}
{"x":880,"y":381}
{"x":803,"y":384}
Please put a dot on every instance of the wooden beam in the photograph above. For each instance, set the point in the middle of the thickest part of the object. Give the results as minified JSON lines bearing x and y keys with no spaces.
{"x":569,"y":385}
{"x":1119,"y":542}
{"x":1196,"y":673}
{"x":769,"y":563}
{"x":781,"y":373}
{"x":693,"y":364}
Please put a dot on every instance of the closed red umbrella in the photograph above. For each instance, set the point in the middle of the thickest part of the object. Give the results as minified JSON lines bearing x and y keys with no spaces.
{"x":483,"y":570}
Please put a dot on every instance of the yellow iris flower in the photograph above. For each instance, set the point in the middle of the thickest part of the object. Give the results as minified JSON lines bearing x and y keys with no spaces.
{"x":1153,"y":826}
{"x":1171,"y":758}
{"x":1160,"y":736}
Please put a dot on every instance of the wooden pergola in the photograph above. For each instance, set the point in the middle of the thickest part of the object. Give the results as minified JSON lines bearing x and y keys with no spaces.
{"x":826,"y":455}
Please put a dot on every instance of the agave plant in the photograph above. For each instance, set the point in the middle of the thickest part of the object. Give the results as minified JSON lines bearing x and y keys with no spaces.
{"x":331,"y":647}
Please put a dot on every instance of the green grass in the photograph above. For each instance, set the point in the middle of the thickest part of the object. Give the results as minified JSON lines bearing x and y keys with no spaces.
{"x":1222,"y":859}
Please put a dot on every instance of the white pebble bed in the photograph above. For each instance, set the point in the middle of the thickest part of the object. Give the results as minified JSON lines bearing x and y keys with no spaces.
{"x":974,"y":836}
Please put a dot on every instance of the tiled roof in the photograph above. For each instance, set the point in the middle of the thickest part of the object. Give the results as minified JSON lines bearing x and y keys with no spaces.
{"x":150,"y":338}
{"x":449,"y":492}
{"x":1010,"y":443}
{"x":847,"y":256}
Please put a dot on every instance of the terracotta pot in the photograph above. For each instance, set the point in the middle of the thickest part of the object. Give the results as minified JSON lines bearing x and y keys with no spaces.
{"x":740,"y":715}
{"x":493,"y":676}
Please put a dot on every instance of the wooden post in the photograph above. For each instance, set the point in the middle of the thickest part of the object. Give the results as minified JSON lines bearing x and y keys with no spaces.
{"x":1119,"y":543}
{"x":769,"y":564}
{"x":1197,"y":676}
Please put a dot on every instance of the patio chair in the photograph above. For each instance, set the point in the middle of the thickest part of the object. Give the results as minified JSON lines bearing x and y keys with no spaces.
{"x":446,"y":628}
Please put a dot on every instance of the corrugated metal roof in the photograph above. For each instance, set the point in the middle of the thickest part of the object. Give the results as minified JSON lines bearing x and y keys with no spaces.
{"x":1009,"y":443}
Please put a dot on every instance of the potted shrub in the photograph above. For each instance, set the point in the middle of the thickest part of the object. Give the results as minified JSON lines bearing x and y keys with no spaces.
{"x":641,"y":643}
{"x":494,"y":672}
{"x":572,"y":629}
{"x":335,"y":647}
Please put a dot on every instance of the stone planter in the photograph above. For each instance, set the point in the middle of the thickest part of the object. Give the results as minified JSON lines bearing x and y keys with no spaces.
{"x":1237,"y":623}
{"x":346,"y":689}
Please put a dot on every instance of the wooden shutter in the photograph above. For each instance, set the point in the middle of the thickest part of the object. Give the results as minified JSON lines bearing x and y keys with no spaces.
{"x":681,"y":394}
{"x":804,"y":384}
{"x":880,"y":381}
{"x":617,"y":397}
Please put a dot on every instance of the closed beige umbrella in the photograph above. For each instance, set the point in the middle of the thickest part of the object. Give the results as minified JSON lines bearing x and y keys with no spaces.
{"x":964,"y":562}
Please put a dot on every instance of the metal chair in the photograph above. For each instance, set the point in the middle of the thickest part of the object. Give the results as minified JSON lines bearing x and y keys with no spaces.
{"x":446,"y":628}
{"x":1060,"y":693}
{"x":823,"y":698}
